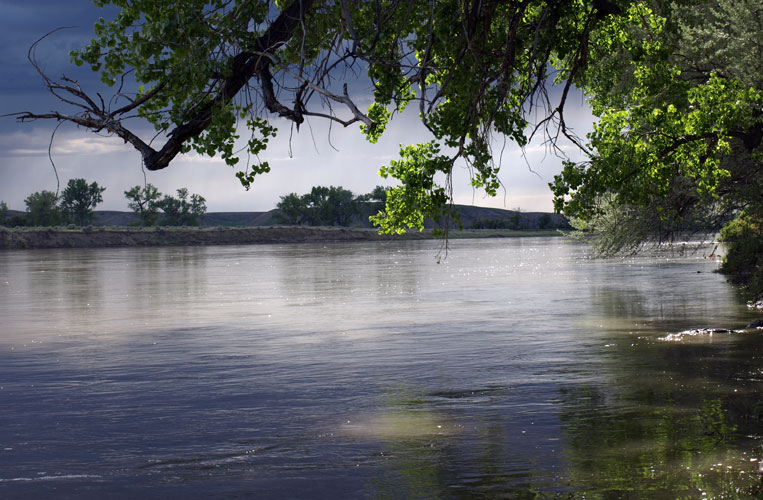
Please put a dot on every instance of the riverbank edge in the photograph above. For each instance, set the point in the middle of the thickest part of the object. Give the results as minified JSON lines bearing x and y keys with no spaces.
{"x":109,"y":237}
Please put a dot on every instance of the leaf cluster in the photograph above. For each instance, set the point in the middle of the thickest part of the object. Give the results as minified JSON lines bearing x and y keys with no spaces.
{"x":202,"y":71}
{"x":678,"y":133}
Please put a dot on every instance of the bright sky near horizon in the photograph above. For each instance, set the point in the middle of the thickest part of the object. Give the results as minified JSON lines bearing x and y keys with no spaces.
{"x":319,"y":154}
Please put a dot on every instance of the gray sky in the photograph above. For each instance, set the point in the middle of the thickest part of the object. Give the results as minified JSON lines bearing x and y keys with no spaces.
{"x":308,"y":159}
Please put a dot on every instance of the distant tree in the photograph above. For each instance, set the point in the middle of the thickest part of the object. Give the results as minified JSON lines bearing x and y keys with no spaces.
{"x":322,"y":206}
{"x":3,"y":211}
{"x":379,"y":194}
{"x":291,"y":209}
{"x":79,"y":199}
{"x":144,"y":202}
{"x":42,"y":209}
{"x":545,"y":221}
{"x":172,"y":210}
{"x":330,"y":206}
{"x":376,"y":200}
{"x":182,"y":212}
{"x":198,"y":209}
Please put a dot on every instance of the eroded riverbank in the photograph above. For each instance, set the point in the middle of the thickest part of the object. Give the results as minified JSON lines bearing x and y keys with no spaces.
{"x":18,"y":239}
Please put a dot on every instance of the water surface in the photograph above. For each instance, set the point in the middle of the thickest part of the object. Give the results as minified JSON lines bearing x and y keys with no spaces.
{"x":516,"y":368}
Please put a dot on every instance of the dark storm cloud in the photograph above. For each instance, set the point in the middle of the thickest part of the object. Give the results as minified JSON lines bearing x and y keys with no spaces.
{"x":299,"y":161}
{"x":21,"y":24}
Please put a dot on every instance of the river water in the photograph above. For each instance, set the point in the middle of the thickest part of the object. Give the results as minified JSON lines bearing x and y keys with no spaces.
{"x":515,"y":368}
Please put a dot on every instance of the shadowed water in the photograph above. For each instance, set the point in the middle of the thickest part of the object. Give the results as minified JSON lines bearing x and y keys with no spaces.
{"x":516,"y":368}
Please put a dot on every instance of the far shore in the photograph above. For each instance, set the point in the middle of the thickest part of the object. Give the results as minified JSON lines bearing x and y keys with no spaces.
{"x":105,"y":237}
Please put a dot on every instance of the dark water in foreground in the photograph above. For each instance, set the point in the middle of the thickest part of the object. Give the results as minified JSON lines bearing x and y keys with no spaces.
{"x":515,"y":369}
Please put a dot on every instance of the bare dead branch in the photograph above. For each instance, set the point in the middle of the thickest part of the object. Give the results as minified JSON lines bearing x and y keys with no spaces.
{"x":244,"y":67}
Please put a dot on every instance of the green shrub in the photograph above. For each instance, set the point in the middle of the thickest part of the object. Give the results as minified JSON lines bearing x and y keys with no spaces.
{"x":744,"y":253}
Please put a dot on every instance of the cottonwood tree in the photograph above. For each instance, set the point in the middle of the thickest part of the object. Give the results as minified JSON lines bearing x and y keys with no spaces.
{"x":198,"y":71}
{"x":374,"y":201}
{"x":182,"y":211}
{"x":291,"y":209}
{"x":144,"y":201}
{"x":330,"y":206}
{"x":675,"y":86}
{"x":322,"y":206}
{"x":677,"y":147}
{"x":42,"y":209}
{"x":79,"y":199}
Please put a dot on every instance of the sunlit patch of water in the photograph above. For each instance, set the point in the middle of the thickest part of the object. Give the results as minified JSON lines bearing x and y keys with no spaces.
{"x":398,"y":425}
{"x":44,"y":476}
{"x":698,"y":332}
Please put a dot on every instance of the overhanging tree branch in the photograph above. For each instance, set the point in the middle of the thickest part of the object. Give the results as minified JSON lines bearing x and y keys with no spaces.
{"x":243,"y":68}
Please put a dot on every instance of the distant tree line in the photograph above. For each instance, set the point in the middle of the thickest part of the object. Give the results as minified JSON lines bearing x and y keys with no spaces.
{"x":329,"y":206}
{"x":322,"y":206}
{"x":147,"y":202}
{"x":76,"y":204}
{"x":44,"y":208}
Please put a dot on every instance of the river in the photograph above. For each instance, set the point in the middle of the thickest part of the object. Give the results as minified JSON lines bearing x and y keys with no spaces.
{"x":514,"y":368}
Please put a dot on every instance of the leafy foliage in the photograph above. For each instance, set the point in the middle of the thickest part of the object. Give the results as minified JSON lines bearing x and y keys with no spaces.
{"x":42,"y":209}
{"x":744,"y":258}
{"x":144,"y":202}
{"x":678,"y":143}
{"x":545,"y":221}
{"x":330,"y":206}
{"x":202,"y":71}
{"x":291,"y":209}
{"x":3,"y":211}
{"x":181,"y":211}
{"x":676,"y":87}
{"x":326,"y":206}
{"x":79,"y":199}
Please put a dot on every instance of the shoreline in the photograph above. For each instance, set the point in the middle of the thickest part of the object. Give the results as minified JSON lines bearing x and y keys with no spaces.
{"x":111,"y":237}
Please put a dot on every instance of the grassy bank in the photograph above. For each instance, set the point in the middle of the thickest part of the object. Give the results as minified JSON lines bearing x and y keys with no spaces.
{"x":23,"y":238}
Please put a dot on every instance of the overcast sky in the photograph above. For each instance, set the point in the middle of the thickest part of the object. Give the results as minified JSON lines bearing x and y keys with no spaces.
{"x":307,"y":160}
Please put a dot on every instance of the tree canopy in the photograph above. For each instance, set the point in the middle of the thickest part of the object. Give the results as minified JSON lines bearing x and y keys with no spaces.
{"x":145,"y":202}
{"x":182,"y":211}
{"x":42,"y":209}
{"x":677,"y":147}
{"x":679,"y":96}
{"x":198,"y":70}
{"x":329,"y":206}
{"x":676,"y":87}
{"x":79,"y":199}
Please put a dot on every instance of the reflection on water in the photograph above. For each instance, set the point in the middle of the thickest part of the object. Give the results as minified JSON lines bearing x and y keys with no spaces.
{"x":515,"y":369}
